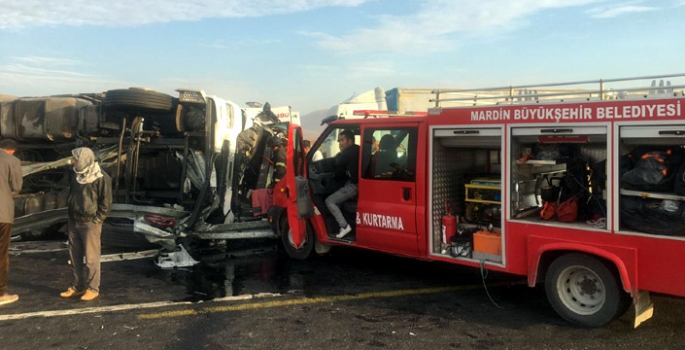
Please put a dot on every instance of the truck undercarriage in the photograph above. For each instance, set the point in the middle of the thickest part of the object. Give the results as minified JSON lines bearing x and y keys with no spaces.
{"x":180,"y":166}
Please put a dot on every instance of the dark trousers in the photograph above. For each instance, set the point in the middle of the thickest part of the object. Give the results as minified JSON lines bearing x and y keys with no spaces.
{"x":5,"y":233}
{"x":84,"y":250}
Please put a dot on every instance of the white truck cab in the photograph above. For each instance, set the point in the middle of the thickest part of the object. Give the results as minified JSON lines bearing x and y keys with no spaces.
{"x":371,"y":100}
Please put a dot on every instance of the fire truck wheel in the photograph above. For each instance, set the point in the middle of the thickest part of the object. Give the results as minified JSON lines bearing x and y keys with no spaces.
{"x":138,"y":99}
{"x":305,"y":250}
{"x":585,"y":290}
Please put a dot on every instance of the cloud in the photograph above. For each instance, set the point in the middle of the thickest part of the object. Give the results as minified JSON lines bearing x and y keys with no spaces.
{"x":354,"y":71}
{"x":121,"y":13}
{"x":31,"y":80}
{"x":24,"y":80}
{"x":319,"y":68}
{"x":618,"y":10}
{"x":20,"y":69}
{"x":41,"y":68}
{"x":434,"y":26}
{"x":53,"y":61}
{"x":247,"y":42}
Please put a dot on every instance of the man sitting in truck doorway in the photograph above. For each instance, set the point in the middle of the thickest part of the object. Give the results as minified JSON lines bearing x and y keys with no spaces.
{"x":346,"y":164}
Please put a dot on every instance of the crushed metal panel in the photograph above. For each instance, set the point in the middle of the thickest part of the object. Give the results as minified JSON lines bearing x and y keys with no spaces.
{"x":175,"y":257}
{"x":196,"y":167}
{"x":155,"y":235}
{"x":256,"y":233}
{"x":38,"y":221}
{"x":238,"y":230}
{"x":101,"y":154}
{"x":150,"y":233}
{"x":237,"y":226}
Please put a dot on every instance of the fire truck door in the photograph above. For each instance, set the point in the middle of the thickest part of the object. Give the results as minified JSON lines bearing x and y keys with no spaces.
{"x":386,"y":208}
{"x":295,"y":169}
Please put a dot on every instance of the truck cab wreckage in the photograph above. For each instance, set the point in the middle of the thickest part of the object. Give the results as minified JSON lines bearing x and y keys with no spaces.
{"x":183,"y":168}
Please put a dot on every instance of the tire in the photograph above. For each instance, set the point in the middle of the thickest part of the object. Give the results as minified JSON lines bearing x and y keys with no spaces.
{"x":138,"y":99}
{"x":307,"y":248}
{"x":585,"y":290}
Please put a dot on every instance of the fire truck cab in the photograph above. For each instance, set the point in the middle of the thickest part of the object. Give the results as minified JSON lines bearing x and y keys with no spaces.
{"x":579,"y":186}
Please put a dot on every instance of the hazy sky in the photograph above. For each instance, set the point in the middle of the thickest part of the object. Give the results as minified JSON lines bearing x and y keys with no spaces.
{"x":312,"y":54}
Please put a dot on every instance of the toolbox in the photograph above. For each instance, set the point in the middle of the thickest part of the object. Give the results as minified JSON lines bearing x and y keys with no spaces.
{"x":487,"y":245}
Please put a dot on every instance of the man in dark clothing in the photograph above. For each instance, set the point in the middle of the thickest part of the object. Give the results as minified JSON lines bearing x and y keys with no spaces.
{"x":278,"y":158}
{"x":10,"y":181}
{"x":90,"y":198}
{"x":347,"y":164}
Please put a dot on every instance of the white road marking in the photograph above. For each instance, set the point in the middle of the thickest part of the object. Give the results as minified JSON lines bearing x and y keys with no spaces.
{"x":115,"y":308}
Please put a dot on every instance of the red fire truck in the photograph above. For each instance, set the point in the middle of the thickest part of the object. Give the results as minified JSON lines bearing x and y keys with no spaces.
{"x":579,"y":186}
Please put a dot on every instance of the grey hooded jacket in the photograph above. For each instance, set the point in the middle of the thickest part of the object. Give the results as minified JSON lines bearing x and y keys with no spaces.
{"x":89,"y":200}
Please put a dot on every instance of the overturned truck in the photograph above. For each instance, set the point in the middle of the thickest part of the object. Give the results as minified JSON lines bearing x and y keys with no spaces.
{"x":182,"y":168}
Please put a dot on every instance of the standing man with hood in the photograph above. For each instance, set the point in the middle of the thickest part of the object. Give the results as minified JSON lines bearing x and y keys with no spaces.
{"x":90,"y":199}
{"x":10,"y":181}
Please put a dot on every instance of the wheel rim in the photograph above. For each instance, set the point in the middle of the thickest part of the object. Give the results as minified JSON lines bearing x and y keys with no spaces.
{"x":581,"y":290}
{"x":292,"y":243}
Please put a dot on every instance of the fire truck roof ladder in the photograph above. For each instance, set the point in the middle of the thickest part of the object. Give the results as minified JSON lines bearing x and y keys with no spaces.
{"x":589,"y":90}
{"x":368,"y":113}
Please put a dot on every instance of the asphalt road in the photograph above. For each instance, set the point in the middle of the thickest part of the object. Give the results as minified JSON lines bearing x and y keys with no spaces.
{"x":258,"y":299}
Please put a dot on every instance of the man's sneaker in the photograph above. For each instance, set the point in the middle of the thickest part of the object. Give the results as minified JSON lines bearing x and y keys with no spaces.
{"x":90,"y":295}
{"x":71,"y":292}
{"x":8,"y":298}
{"x":344,"y":231}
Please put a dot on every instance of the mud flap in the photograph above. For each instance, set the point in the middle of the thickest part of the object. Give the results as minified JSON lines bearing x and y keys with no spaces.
{"x":644,"y":308}
{"x":321,"y":249}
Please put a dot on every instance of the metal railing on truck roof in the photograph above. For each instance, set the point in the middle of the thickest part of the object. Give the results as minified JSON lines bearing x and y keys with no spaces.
{"x":562,"y":92}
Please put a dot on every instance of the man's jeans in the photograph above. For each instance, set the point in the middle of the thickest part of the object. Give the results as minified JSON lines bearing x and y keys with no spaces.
{"x":333,"y":201}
